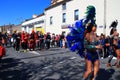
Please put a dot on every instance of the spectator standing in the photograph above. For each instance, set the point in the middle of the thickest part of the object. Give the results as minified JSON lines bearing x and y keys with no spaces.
{"x":48,"y":38}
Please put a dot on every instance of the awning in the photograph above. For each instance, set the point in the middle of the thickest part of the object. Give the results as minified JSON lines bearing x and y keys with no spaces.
{"x":40,"y":29}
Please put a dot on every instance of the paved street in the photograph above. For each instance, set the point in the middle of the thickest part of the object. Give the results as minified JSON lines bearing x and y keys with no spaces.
{"x":52,"y":64}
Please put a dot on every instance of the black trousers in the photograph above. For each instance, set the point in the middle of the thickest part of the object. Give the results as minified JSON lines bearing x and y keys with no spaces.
{"x":24,"y":45}
{"x":17,"y":47}
{"x":48,"y":44}
{"x":41,"y":45}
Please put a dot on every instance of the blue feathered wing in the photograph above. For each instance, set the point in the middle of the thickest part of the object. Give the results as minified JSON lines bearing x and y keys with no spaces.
{"x":76,"y":37}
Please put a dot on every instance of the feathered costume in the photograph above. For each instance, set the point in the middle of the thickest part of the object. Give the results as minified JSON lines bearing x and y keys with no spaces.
{"x":114,"y":37}
{"x":76,"y":35}
{"x":113,"y":25}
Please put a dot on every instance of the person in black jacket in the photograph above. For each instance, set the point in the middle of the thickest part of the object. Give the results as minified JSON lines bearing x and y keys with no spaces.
{"x":17,"y":42}
{"x":48,"y":38}
{"x":62,"y":36}
{"x":41,"y":40}
{"x":14,"y":36}
{"x":107,"y":46}
{"x":32,"y":41}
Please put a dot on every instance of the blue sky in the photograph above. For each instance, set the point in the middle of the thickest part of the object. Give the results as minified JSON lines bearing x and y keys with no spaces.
{"x":15,"y":11}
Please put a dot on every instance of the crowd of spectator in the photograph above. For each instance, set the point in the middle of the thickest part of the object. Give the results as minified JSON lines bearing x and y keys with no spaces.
{"x":39,"y":41}
{"x":23,"y":41}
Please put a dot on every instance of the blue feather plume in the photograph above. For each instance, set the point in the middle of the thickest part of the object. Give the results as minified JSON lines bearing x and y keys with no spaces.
{"x":76,"y":36}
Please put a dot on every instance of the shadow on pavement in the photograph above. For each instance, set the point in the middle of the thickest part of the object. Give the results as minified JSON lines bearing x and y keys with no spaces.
{"x":117,"y":77}
{"x":57,"y":69}
{"x":60,"y":68}
{"x":105,"y":74}
{"x":12,"y":69}
{"x":47,"y":69}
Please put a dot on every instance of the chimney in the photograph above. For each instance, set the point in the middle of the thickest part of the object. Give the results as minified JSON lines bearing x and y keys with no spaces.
{"x":55,"y":1}
{"x":34,"y":16}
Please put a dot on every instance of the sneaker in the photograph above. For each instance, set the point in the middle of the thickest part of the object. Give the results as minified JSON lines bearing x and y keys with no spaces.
{"x":115,"y":64}
{"x":25,"y":50}
{"x":109,"y":65}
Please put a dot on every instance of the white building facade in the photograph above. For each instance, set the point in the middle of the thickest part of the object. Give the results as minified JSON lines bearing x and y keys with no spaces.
{"x":36,"y":23}
{"x":106,"y":12}
{"x":57,"y":17}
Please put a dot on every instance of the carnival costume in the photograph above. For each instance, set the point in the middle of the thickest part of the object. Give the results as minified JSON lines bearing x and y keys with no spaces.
{"x":114,"y":25}
{"x":76,"y":35}
{"x":114,"y":45}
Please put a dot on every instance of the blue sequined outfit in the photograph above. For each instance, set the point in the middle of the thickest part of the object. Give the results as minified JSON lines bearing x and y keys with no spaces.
{"x":91,"y":51}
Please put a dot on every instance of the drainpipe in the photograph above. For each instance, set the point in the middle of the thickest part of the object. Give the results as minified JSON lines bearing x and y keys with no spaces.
{"x":105,"y":5}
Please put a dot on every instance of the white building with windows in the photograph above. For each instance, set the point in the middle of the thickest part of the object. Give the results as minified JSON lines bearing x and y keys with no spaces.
{"x":37,"y":23}
{"x":67,"y":12}
{"x":62,"y":13}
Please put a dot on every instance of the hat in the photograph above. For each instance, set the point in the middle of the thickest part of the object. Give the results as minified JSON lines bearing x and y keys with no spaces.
{"x":33,"y":31}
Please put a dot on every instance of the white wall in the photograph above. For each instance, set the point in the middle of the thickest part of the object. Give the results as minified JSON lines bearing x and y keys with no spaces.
{"x":56,"y":12}
{"x":57,"y":20}
{"x":82,"y":5}
{"x":113,"y":13}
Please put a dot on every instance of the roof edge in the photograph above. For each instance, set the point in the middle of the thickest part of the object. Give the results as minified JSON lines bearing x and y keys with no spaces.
{"x":57,"y":4}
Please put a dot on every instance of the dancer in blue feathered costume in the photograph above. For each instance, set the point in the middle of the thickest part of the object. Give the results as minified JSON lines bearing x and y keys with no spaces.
{"x":84,"y":38}
{"x":76,"y":36}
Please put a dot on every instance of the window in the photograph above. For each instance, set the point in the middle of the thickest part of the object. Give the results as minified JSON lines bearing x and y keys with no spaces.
{"x":64,"y":18}
{"x":51,"y":20}
{"x":25,"y":28}
{"x":76,"y":14}
{"x":64,"y":6}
